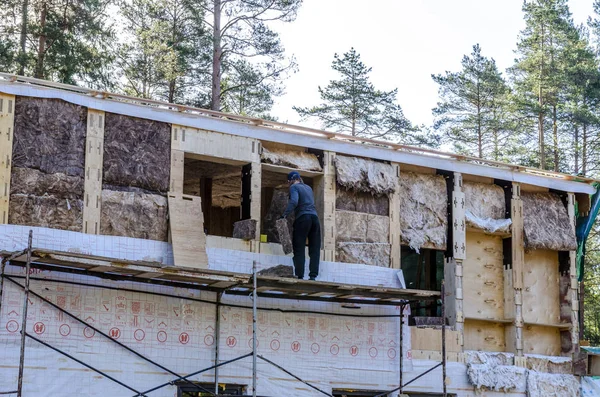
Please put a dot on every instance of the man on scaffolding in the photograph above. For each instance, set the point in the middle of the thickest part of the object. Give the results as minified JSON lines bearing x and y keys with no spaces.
{"x":306,"y":225}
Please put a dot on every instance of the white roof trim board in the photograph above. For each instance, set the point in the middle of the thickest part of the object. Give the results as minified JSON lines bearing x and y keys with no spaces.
{"x":304,"y":139}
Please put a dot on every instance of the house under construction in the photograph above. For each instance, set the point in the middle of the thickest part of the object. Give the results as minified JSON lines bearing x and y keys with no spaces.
{"x":141,"y":258}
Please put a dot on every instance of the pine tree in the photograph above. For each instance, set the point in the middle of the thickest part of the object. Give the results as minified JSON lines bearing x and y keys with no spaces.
{"x":165,"y":52}
{"x":244,"y":45}
{"x":352,"y":105}
{"x":471,"y":112}
{"x":538,"y":73}
{"x":64,"y":40}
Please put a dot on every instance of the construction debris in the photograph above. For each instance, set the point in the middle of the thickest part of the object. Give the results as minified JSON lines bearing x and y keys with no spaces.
{"x":291,"y":158}
{"x":546,"y":223}
{"x":285,"y":237}
{"x":423,"y":211}
{"x":134,"y":214}
{"x":278,"y":271}
{"x":245,"y":229}
{"x":276,"y":209}
{"x":137,"y":152}
{"x":485,"y":207}
{"x":365,"y":175}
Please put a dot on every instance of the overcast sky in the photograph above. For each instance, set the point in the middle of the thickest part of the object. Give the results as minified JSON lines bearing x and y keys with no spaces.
{"x":404,"y":41}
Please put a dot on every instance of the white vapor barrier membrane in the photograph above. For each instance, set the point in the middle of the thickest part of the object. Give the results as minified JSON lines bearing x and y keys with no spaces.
{"x":590,"y":386}
{"x":179,"y":334}
{"x":14,"y":238}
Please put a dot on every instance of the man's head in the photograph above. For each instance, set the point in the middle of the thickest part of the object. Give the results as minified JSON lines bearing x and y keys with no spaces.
{"x":294,"y":177}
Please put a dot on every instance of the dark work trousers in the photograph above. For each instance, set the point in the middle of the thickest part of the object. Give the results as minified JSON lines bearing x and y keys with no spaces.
{"x":307,"y":226}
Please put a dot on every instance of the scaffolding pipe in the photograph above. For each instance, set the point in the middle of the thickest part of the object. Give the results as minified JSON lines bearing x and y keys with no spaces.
{"x":24,"y":317}
{"x":402,"y":306}
{"x":98,"y":331}
{"x":444,"y":338}
{"x":82,"y":363}
{"x":254,"y":311}
{"x":217,"y":339}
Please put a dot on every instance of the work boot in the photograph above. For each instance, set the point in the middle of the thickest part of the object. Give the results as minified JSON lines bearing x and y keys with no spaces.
{"x":312,"y":279}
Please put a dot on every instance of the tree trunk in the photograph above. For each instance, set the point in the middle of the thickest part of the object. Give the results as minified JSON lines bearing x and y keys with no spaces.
{"x":41,"y":53}
{"x":542,"y":147}
{"x":217,"y":52}
{"x":496,"y":148}
{"x":576,"y":149}
{"x":584,"y":151}
{"x":171,"y":91}
{"x":22,"y":54}
{"x":555,"y":137}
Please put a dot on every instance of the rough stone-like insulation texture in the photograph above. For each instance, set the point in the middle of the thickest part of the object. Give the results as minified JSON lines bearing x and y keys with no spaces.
{"x":137,"y":152}
{"x":292,"y":159}
{"x":549,"y":364}
{"x":496,"y":377}
{"x":546,"y":223}
{"x":492,"y":358}
{"x":485,"y":207}
{"x":285,"y":237}
{"x":278,"y":271}
{"x":358,"y":227}
{"x":49,"y":135}
{"x":34,"y":182}
{"x":46,"y":211}
{"x":376,"y":254}
{"x":365,"y":175}
{"x":276,"y":209}
{"x":246,"y":229}
{"x":131,"y":214}
{"x":47,"y":200}
{"x":351,"y":200}
{"x":423,"y":210}
{"x":552,"y":385}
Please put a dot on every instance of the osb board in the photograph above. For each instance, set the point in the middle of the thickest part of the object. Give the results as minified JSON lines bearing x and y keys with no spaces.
{"x":431,"y":339}
{"x":215,"y":144}
{"x":532,"y":188}
{"x":7,"y":122}
{"x":541,"y":291}
{"x":94,"y":142}
{"x":541,"y":340}
{"x":483,"y":277}
{"x":477,"y":179}
{"x":510,"y":338}
{"x":417,"y":169}
{"x":228,"y":243}
{"x":187,"y":231}
{"x":484,"y":336}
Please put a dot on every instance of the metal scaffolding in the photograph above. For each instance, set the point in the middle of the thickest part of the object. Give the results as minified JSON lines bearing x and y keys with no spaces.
{"x":237,"y":284}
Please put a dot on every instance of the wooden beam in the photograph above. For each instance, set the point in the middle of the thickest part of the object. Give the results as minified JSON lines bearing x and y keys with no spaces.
{"x":324,"y":189}
{"x":7,"y":124}
{"x":94,"y":155}
{"x":458,"y":219}
{"x":255,"y":199}
{"x":574,"y":285}
{"x":394,"y":213}
{"x":517,"y":263}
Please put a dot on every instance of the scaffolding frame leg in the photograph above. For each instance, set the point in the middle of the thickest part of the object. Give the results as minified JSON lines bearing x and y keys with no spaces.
{"x":254,"y":314}
{"x":401,"y":349}
{"x":217,"y":339}
{"x":443,"y":293}
{"x":24,"y":317}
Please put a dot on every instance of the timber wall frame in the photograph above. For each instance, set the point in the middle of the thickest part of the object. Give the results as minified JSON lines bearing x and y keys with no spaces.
{"x":220,"y":137}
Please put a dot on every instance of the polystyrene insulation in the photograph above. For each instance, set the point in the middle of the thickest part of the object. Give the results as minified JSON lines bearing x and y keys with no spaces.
{"x":292,"y":159}
{"x":546,"y":223}
{"x":365,"y":175}
{"x":423,"y":210}
{"x":485,"y":207}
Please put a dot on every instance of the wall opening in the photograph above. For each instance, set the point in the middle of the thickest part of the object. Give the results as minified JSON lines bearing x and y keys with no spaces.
{"x":423,"y":270}
{"x":187,"y":390}
{"x":274,"y":199}
{"x":220,"y":188}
